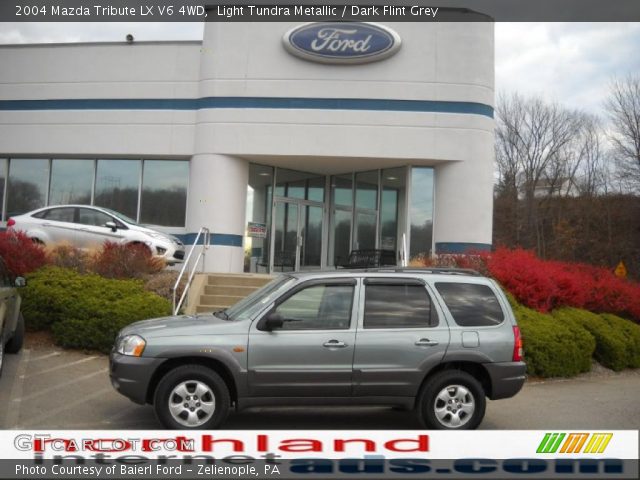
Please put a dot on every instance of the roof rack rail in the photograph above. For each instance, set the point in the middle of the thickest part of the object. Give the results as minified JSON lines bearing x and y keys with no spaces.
{"x":437,"y":270}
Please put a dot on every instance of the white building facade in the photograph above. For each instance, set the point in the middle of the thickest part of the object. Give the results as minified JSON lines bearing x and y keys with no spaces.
{"x":292,"y":159}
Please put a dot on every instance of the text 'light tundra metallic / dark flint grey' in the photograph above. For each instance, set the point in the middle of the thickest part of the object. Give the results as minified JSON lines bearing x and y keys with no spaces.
{"x":436,"y":341}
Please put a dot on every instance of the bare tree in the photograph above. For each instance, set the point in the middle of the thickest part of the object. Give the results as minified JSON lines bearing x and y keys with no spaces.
{"x":623,"y":109}
{"x":592,"y":176}
{"x":534,"y":138}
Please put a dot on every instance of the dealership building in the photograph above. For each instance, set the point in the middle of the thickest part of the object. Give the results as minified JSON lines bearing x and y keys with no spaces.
{"x":293,"y":143}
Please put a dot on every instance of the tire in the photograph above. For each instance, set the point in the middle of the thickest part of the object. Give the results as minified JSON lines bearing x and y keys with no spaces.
{"x":181,"y":387}
{"x":15,"y":344}
{"x":452,"y":400}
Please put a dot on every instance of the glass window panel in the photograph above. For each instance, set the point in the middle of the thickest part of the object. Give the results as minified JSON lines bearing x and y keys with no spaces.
{"x":27,"y":186}
{"x":71,"y":181}
{"x":117,"y":186}
{"x":164,"y":193}
{"x":94,"y":218}
{"x":302,"y":185}
{"x":321,"y":307}
{"x":367,"y":190}
{"x":365,"y":234}
{"x":258,"y":212}
{"x":421,"y":212}
{"x":341,"y":236}
{"x":471,"y":305}
{"x":3,"y":173}
{"x":59,"y":214}
{"x":311,"y":232}
{"x":342,"y":187}
{"x":396,"y":306}
{"x":393,"y":192}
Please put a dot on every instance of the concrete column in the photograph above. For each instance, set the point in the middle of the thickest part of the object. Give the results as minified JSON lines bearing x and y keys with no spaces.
{"x":217,"y":200}
{"x":463,"y":206}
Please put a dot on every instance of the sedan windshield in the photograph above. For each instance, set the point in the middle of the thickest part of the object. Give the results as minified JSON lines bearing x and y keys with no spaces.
{"x":249,"y":306}
{"x":120,"y":216}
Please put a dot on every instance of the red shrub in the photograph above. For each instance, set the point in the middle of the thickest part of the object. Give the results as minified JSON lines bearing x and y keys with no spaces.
{"x":20,"y":254}
{"x":545,"y":285}
{"x":114,"y":260}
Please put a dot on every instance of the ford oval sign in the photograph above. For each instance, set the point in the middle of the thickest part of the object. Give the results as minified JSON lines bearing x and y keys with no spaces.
{"x":342,"y":42}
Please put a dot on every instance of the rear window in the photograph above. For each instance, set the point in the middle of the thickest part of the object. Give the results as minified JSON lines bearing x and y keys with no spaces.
{"x":398,"y":306}
{"x":471,"y":305}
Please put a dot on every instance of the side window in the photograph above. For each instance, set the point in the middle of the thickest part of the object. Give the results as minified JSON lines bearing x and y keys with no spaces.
{"x":318,"y":307}
{"x":398,"y":306}
{"x":93,"y":218}
{"x":471,"y":305}
{"x":59,"y":215}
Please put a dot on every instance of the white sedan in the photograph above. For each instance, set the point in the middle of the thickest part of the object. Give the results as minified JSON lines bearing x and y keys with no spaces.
{"x":86,"y":227}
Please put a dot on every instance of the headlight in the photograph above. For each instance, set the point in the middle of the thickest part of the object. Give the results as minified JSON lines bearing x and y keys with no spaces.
{"x":131,"y":345}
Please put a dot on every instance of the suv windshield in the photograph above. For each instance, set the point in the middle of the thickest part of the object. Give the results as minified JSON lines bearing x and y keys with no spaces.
{"x":262,"y":297}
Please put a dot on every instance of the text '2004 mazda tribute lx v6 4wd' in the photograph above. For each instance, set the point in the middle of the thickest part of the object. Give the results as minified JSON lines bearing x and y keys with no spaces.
{"x":437,"y":341}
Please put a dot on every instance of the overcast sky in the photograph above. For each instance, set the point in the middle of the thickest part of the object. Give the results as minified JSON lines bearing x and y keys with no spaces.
{"x":572,"y":63}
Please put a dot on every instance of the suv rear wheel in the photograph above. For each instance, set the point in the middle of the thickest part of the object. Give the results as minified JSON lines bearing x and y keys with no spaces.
{"x":452,"y":400}
{"x":192,"y":397}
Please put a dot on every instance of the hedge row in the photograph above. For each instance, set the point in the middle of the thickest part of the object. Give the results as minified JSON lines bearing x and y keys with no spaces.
{"x":546,"y":285}
{"x":563,"y":344}
{"x":553,"y":348}
{"x":86,"y":311}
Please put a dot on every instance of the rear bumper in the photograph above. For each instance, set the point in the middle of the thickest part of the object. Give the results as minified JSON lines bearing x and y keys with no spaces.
{"x":131,"y":375}
{"x":507,"y":378}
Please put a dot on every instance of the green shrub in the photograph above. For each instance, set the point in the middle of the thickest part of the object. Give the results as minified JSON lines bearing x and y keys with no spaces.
{"x":611,"y":341}
{"x":54,"y":294}
{"x":99,"y":332}
{"x":553,"y":348}
{"x":631,"y":333}
{"x":86,"y":311}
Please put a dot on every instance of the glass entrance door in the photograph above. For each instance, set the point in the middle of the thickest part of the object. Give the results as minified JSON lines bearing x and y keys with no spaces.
{"x":297,"y":231}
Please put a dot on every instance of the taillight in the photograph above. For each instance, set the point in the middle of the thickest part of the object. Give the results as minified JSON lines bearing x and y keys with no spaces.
{"x":11,"y":222}
{"x":518,"y":352}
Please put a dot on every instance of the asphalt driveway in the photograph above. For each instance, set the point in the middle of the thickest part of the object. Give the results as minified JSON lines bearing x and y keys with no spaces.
{"x":46,"y":387}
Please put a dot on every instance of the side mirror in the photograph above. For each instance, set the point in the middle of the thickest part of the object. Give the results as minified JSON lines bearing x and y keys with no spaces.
{"x":271,"y":322}
{"x":112,"y":226}
{"x":20,"y":282}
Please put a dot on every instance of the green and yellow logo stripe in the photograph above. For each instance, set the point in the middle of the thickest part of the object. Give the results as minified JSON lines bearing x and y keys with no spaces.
{"x":559,"y":442}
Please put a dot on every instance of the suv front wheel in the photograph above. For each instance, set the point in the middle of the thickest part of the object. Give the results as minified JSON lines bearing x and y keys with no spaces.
{"x":192,"y":397}
{"x":452,"y":400}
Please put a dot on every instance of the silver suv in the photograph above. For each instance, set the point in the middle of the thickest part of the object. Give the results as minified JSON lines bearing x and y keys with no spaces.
{"x":434,"y":341}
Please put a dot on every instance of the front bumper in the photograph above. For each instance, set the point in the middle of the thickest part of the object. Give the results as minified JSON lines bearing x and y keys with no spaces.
{"x":169,"y":252}
{"x":507,"y":378}
{"x":131,"y":375}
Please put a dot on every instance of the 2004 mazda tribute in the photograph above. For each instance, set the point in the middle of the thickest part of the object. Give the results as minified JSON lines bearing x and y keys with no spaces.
{"x":436,"y":341}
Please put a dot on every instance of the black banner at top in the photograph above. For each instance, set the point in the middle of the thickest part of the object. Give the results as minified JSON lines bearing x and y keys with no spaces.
{"x":319,"y":10}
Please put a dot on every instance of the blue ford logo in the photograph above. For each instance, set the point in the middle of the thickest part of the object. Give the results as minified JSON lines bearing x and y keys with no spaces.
{"x":342,"y":42}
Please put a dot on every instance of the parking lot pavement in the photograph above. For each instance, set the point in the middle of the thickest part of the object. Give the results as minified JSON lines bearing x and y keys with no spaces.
{"x":49,"y":388}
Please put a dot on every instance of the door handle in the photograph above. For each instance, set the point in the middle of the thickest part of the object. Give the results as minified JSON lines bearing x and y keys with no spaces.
{"x":334,"y":344}
{"x":425,"y":342}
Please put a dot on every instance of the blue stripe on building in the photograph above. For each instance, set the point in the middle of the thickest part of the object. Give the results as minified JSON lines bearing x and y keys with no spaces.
{"x":221,"y":239}
{"x":461,"y":247}
{"x":424,"y":106}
